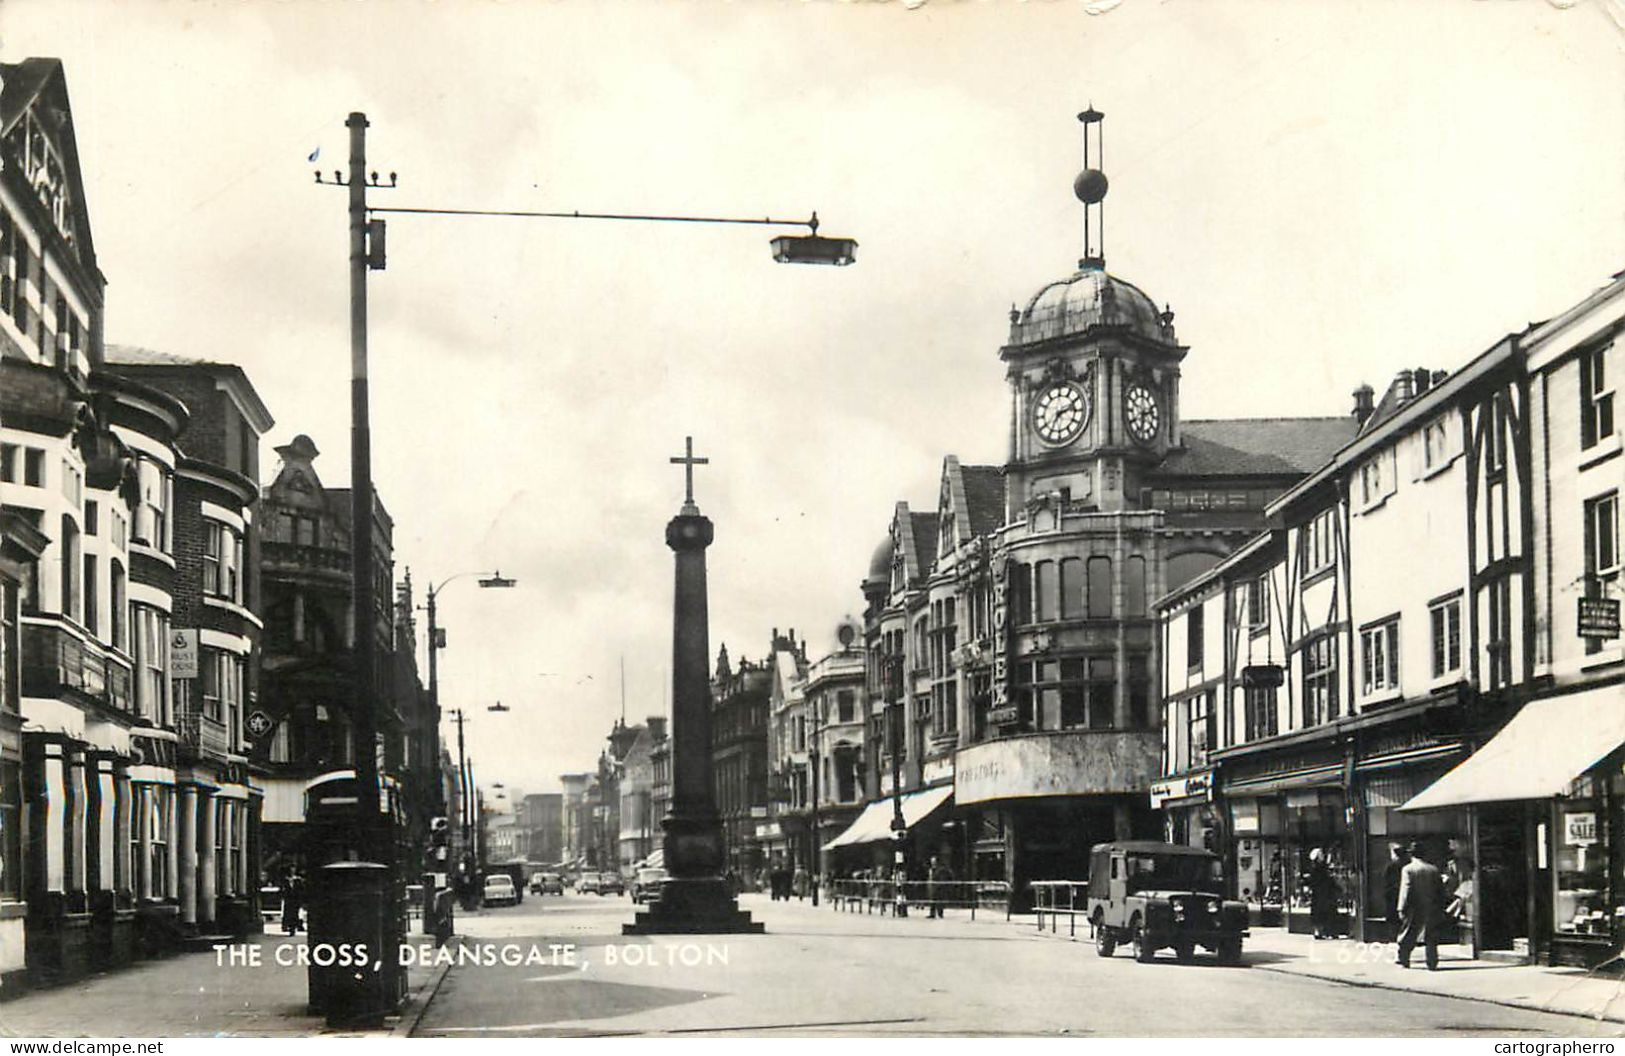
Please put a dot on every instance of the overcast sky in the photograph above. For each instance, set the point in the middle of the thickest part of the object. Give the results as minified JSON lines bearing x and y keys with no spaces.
{"x":1324,"y":193}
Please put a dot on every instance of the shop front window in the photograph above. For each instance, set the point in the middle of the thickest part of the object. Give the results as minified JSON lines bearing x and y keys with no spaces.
{"x":1580,"y":905}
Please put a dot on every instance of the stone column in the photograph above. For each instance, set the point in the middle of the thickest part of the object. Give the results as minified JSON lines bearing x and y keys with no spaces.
{"x":185,"y":844}
{"x":141,"y":817}
{"x":107,"y":847}
{"x":696,"y":899}
{"x":206,"y":859}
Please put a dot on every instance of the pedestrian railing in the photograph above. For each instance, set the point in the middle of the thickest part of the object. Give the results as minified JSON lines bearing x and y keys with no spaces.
{"x":1055,"y":899}
{"x":929,"y":896}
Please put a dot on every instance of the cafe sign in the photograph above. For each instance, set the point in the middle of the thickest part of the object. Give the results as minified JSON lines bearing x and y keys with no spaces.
{"x":1598,"y":617}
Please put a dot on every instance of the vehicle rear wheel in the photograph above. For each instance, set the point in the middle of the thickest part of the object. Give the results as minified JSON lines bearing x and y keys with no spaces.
{"x":1143,"y":950}
{"x":1105,"y":941}
{"x":1230,"y":951}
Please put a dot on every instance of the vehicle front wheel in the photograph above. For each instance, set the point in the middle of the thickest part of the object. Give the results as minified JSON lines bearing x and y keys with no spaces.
{"x":1230,"y":951}
{"x":1105,"y":941}
{"x":1143,"y":950}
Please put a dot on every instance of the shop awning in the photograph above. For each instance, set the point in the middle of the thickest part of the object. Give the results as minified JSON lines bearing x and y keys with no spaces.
{"x":875,"y":821}
{"x":1536,"y":755}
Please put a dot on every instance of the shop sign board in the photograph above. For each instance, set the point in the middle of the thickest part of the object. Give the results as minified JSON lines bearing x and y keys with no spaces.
{"x":1580,"y":830}
{"x":183,"y":653}
{"x":1598,"y":617}
{"x":1182,"y":788}
{"x":937,"y":771}
{"x":1056,"y":764}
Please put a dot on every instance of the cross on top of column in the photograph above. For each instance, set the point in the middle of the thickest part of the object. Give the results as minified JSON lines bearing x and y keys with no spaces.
{"x":688,"y":461}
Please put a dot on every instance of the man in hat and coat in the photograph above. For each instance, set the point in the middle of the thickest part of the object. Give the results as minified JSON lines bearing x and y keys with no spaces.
{"x":1421,"y":902}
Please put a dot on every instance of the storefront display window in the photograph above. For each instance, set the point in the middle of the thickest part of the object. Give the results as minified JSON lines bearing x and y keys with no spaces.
{"x":1324,"y":884}
{"x":1580,"y":904}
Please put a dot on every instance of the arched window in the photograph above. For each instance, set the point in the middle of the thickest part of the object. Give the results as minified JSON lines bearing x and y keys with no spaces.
{"x":1072,"y":588}
{"x":1047,"y":587}
{"x":1100,"y":588}
{"x":1021,"y":593}
{"x":1134,"y":586}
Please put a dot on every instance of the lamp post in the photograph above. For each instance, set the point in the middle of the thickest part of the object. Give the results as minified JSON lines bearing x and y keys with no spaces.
{"x":817,"y":870}
{"x":437,"y":640}
{"x":899,"y":827}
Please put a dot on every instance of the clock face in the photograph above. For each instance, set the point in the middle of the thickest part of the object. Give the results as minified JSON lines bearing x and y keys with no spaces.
{"x":1140,"y":413}
{"x":1060,"y":413}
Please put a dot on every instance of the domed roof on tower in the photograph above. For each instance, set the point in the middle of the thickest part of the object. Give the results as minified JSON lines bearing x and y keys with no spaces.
{"x":1090,"y":297}
{"x":880,"y":564}
{"x":1085,"y":300}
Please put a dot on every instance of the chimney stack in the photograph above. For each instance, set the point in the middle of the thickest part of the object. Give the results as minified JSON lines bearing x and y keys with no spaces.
{"x":1363,"y":403}
{"x":1423,"y":377}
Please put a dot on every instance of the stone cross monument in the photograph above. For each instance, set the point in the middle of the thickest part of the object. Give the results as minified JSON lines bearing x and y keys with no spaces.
{"x":694,"y":899}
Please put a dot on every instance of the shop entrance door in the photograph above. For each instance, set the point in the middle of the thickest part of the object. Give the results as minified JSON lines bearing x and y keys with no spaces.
{"x":1503,"y":877}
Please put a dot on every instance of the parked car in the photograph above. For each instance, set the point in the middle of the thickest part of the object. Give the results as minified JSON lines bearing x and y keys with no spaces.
{"x":646,"y":883}
{"x":611,"y":884}
{"x":587,"y":884}
{"x":1153,"y":896}
{"x":499,"y":890}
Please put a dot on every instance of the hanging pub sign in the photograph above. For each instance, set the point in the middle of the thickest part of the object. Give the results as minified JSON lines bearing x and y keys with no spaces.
{"x":1599,"y":617}
{"x":1261,"y":676}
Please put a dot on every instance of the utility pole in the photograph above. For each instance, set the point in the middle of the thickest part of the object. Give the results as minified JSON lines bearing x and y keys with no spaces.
{"x":365,"y":716}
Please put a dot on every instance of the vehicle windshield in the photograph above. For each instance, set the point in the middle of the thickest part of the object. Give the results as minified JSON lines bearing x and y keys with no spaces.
{"x":1174,"y":872}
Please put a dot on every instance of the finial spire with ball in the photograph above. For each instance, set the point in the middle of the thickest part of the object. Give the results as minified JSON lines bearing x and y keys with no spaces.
{"x":1090,"y":187}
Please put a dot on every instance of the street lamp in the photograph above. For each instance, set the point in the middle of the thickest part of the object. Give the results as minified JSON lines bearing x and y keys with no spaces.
{"x":437,"y":634}
{"x":813,"y":761}
{"x":899,"y":827}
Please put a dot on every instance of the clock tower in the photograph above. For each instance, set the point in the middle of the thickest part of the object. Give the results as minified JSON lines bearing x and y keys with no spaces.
{"x":1093,"y":370}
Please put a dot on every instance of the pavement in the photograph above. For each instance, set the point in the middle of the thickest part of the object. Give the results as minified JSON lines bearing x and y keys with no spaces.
{"x":196,"y":995}
{"x":1594,"y":995}
{"x":819,"y":972}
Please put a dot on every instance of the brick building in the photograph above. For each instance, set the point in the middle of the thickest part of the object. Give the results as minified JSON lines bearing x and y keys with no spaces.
{"x":216,"y":600}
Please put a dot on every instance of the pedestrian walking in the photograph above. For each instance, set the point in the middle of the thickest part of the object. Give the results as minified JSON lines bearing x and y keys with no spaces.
{"x":938,"y":881}
{"x":1421,"y":900}
{"x":1398,"y":858}
{"x":798,"y":883}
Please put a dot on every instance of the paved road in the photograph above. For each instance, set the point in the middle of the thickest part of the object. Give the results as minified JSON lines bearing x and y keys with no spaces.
{"x":819,"y":972}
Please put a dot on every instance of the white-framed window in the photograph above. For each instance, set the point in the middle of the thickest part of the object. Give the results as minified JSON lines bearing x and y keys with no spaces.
{"x":1261,"y":712}
{"x":159,"y":801}
{"x":1596,"y":398}
{"x":1379,"y":657}
{"x":1195,"y":642}
{"x":1317,"y":542}
{"x":73,"y":484}
{"x":1438,"y":444}
{"x":222,"y":561}
{"x":1258,"y":603}
{"x":150,"y":629}
{"x":1444,"y":623}
{"x":1319,"y":680}
{"x":1371,"y":485}
{"x":1602,"y":552}
{"x":152,"y":525}
{"x":1602,"y":536}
